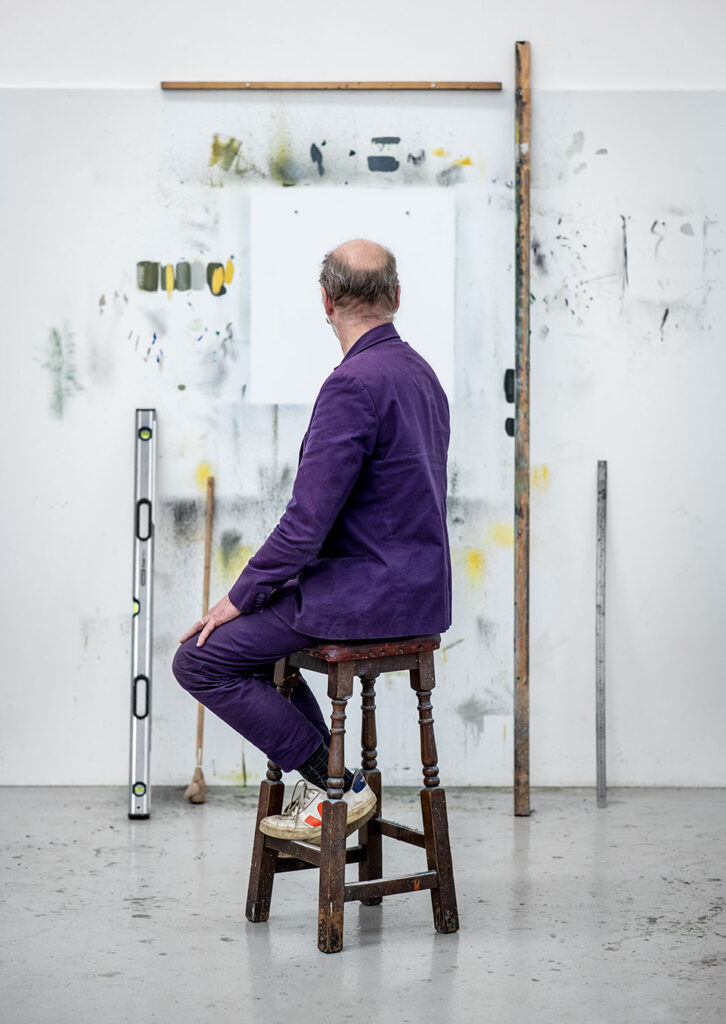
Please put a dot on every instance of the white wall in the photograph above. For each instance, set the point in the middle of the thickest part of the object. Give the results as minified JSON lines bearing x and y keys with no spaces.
{"x":607,"y":382}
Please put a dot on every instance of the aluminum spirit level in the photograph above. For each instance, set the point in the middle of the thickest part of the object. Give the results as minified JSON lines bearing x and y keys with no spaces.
{"x":139,"y":787}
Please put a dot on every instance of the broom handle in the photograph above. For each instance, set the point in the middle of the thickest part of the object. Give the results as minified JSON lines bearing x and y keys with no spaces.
{"x":205,"y":600}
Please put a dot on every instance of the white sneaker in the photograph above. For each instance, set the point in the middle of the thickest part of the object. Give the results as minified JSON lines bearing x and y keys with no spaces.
{"x":303,"y":817}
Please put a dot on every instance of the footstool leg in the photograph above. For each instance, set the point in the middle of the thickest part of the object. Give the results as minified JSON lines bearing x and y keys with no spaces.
{"x":369,"y":836}
{"x":262,"y":871}
{"x":272,"y":791}
{"x":331,"y":896}
{"x":433,"y":803}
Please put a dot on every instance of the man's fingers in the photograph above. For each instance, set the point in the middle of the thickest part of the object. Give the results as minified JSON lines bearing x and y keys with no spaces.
{"x":205,"y":633}
{"x":190,"y":632}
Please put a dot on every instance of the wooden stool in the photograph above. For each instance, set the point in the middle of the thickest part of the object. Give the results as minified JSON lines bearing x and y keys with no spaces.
{"x":341,"y":662}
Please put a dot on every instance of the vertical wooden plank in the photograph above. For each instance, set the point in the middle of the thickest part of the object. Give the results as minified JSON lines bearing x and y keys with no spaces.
{"x":369,"y":837}
{"x":521,"y":432}
{"x":602,"y":491}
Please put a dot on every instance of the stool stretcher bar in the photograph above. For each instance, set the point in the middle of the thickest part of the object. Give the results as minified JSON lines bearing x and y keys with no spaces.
{"x":339,"y":86}
{"x":139,"y":786}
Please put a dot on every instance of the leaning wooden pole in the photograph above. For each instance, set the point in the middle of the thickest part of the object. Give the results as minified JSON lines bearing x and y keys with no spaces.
{"x":521,"y":432}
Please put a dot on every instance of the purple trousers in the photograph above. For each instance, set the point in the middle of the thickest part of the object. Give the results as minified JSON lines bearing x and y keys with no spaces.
{"x":231,"y":675}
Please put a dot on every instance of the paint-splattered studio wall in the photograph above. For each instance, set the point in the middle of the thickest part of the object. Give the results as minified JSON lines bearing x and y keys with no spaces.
{"x":127,"y":284}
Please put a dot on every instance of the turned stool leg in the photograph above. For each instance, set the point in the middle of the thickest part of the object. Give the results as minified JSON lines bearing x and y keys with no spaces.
{"x":331,"y":896}
{"x":272,"y":791}
{"x":369,"y":836}
{"x":433,"y":802}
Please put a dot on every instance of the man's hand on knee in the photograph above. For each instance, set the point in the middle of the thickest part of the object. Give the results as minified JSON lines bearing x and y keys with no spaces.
{"x":223,"y":611}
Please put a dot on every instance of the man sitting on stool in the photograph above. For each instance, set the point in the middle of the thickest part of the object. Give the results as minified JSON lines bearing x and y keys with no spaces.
{"x":361,"y":550}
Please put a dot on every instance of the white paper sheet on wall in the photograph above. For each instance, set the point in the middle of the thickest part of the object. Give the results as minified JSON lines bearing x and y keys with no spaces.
{"x":292,"y":348}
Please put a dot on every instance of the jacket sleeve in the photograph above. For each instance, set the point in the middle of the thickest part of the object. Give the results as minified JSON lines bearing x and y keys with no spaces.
{"x":342,"y":434}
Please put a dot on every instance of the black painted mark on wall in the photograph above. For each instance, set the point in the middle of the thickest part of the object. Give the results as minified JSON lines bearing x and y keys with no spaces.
{"x":663,"y":321}
{"x":539,"y":256}
{"x":228,"y":546}
{"x":386,"y":140}
{"x":625,"y":252}
{"x":383,"y":163}
{"x":660,"y":235}
{"x":317,"y":158}
{"x":147,"y":276}
{"x":211,"y":267}
{"x":417,"y":158}
{"x":450,"y":176}
{"x":184,"y":518}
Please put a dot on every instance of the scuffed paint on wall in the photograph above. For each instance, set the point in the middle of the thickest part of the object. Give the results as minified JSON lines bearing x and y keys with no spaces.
{"x":61,"y":364}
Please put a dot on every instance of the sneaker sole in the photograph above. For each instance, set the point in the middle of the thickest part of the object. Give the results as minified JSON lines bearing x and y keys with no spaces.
{"x":312,"y":834}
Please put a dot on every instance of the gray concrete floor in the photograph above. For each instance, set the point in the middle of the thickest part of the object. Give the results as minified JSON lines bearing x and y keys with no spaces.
{"x":572,"y":915}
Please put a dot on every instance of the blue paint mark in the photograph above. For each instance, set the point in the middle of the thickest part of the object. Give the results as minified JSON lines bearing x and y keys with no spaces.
{"x":383,"y":163}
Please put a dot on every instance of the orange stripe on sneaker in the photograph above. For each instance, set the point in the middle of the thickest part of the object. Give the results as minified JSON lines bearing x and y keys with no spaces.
{"x":310,"y":820}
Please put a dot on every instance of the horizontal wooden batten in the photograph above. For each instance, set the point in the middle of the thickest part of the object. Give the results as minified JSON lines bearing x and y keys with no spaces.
{"x":341,"y":86}
{"x":391,"y":886}
{"x":400,"y":832}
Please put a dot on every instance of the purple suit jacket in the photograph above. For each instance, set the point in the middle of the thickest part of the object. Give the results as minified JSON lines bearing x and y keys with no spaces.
{"x":362,"y":548}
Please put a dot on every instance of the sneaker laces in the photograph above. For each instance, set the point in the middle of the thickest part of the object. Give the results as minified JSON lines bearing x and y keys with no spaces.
{"x":299,"y":797}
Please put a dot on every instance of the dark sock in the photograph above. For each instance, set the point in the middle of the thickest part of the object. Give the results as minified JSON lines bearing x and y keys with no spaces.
{"x":315,"y":770}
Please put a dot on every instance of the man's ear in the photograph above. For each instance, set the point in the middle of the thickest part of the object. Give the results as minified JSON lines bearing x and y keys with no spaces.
{"x":327,"y":304}
{"x":398,"y":297}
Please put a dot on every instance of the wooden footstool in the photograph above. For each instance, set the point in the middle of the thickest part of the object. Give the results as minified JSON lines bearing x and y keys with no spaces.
{"x":341,"y":662}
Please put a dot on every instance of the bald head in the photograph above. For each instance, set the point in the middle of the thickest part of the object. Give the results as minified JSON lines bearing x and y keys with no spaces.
{"x":361,"y":280}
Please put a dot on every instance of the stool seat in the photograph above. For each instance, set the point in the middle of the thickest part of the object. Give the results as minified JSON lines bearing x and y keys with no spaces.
{"x":360,"y":650}
{"x":341,"y":661}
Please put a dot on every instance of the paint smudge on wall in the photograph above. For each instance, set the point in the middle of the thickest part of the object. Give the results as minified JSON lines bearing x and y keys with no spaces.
{"x":224,"y":151}
{"x":624,"y":283}
{"x":501,"y":535}
{"x":283,"y":167}
{"x":464,"y":161}
{"x":186,"y":517}
{"x":601,"y":152}
{"x":215,"y":278}
{"x":475,"y":709}
{"x":417,"y":158}
{"x":540,"y":477}
{"x":687,"y":229}
{"x":439,"y":151}
{"x":383,"y":163}
{"x":577,"y":144}
{"x":317,"y":158}
{"x":232,"y":556}
{"x":147,"y":276}
{"x":386,"y":140}
{"x":60,"y":362}
{"x":475,"y":565}
{"x":201,"y":475}
{"x":450,"y":176}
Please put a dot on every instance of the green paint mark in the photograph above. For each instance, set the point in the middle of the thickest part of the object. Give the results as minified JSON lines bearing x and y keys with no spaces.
{"x":147,"y":276}
{"x":283,"y":168}
{"x":183,"y":277}
{"x":224,"y":149}
{"x":181,"y":387}
{"x":61,"y":363}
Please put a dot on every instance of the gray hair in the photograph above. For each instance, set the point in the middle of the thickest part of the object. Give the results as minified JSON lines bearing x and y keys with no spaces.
{"x":363,"y":291}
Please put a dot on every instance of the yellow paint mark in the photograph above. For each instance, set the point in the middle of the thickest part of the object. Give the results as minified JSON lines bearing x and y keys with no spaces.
{"x":504,"y":733}
{"x":169,"y":278}
{"x":223,"y":152}
{"x":501,"y":535}
{"x":231,"y":560}
{"x":439,"y":152}
{"x":217,"y":280}
{"x":229,"y":272}
{"x":202,"y":472}
{"x":541,"y":477}
{"x":475,"y":563}
{"x":464,"y":161}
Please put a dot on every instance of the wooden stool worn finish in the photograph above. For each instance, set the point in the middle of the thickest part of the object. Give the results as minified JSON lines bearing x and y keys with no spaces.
{"x":341,"y":662}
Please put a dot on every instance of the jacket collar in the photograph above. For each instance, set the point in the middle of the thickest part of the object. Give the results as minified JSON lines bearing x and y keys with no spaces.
{"x":383,"y":332}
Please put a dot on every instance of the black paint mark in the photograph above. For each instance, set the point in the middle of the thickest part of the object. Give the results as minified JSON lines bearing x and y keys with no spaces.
{"x":660,"y":236}
{"x":601,"y":152}
{"x":687,"y":229}
{"x":317,"y":158}
{"x":386,"y":140}
{"x":184,"y":517}
{"x":450,"y":176}
{"x":352,"y":153}
{"x":662,"y":323}
{"x":625,"y":252}
{"x":229,"y":543}
{"x":417,"y":158}
{"x":539,"y":256}
{"x":383,"y":163}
